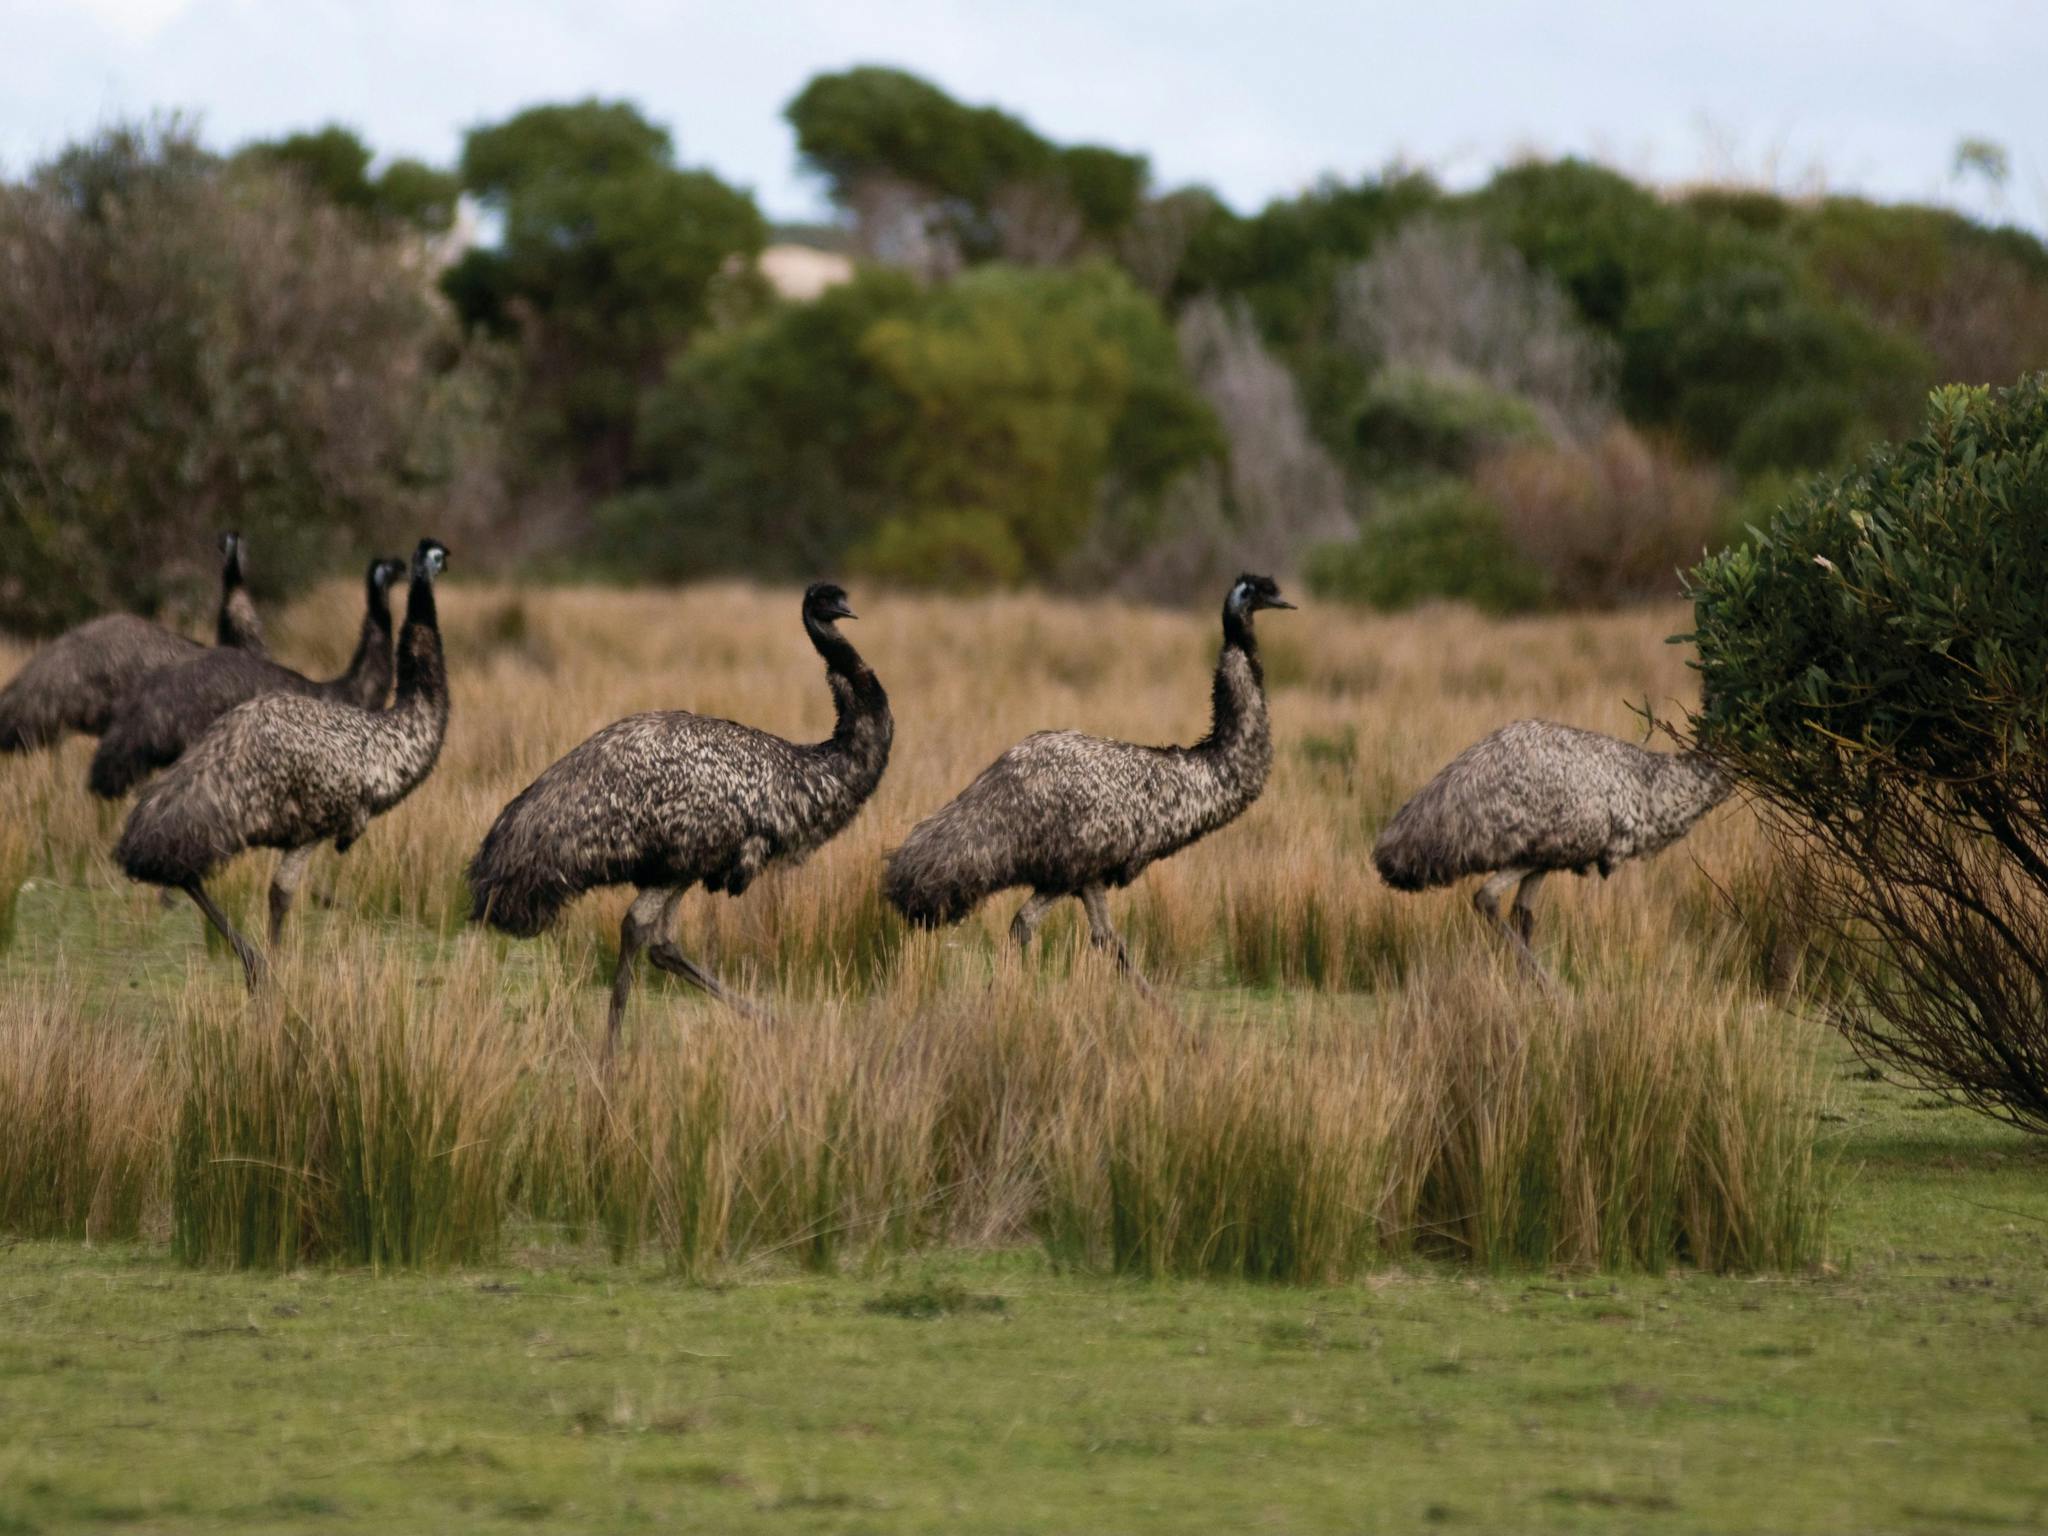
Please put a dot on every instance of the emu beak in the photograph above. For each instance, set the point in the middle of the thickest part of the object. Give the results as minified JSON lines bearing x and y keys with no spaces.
{"x":1278,"y":602}
{"x":841,"y":611}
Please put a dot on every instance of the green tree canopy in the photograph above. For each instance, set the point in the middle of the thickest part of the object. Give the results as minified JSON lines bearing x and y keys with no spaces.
{"x":977,"y":429}
{"x":333,"y":163}
{"x":970,"y":167}
{"x":611,"y":259}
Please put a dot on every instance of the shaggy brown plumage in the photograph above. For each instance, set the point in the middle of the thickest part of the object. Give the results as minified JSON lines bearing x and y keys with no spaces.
{"x":1535,"y":798}
{"x":74,"y":682}
{"x":157,"y":718}
{"x":671,"y":800}
{"x":1073,"y":815}
{"x":293,"y":770}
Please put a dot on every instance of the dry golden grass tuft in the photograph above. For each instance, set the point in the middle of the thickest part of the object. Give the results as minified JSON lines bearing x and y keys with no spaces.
{"x":1352,"y":1076}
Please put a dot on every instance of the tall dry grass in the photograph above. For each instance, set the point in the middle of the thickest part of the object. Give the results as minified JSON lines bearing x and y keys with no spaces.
{"x":403,"y":1111}
{"x":83,"y":1115}
{"x":1352,"y":1078}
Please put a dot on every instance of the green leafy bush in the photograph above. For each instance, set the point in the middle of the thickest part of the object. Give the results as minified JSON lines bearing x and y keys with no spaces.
{"x":1441,"y":541}
{"x":1726,"y":335}
{"x":975,"y":427}
{"x":1875,"y":670}
{"x":1752,"y":366}
{"x":951,"y":547}
{"x":1411,"y":420}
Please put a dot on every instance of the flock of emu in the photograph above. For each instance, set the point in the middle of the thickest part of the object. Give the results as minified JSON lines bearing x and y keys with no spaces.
{"x":239,"y":751}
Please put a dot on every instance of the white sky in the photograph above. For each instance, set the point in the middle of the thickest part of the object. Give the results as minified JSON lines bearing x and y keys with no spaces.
{"x":1254,"y":99}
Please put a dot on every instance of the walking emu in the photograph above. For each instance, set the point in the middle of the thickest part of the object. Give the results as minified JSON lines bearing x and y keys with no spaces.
{"x":155,"y":721}
{"x":1072,"y":815}
{"x":1535,"y":798}
{"x":669,"y":800}
{"x":293,"y":770}
{"x":74,"y":682}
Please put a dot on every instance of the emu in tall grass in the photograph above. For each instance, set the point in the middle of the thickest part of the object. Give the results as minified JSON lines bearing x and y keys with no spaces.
{"x":157,"y":719}
{"x":1535,"y":798}
{"x":293,"y":770}
{"x":666,"y":801}
{"x":1073,"y":815}
{"x":74,"y":682}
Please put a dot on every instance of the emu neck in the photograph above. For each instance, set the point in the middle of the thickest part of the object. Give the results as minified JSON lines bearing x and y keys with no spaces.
{"x":368,"y":675}
{"x":1240,"y":741}
{"x":422,"y":673}
{"x":862,"y":728}
{"x":236,"y":624}
{"x":410,"y":732}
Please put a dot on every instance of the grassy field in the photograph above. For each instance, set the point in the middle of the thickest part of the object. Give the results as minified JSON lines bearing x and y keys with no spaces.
{"x":1656,"y":1256}
{"x":1897,"y":1389}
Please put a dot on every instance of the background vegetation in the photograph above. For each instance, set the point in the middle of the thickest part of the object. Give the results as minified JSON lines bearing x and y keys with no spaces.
{"x":1875,"y":669}
{"x":1550,"y":391}
{"x":1355,"y":1078}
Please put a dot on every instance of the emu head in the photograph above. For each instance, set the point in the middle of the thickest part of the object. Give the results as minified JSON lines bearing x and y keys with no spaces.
{"x":383,"y":571}
{"x":429,"y":560}
{"x":1251,"y":593}
{"x":825,"y":601}
{"x":231,"y":555}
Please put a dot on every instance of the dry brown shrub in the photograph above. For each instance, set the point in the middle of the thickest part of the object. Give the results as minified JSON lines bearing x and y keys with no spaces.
{"x":1610,"y":523}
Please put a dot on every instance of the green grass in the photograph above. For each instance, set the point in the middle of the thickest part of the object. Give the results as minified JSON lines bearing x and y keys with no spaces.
{"x":1899,"y":1389}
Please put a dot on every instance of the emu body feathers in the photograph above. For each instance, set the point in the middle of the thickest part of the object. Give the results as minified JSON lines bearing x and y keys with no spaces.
{"x":1536,"y":798}
{"x":291,"y":770}
{"x":74,"y":683}
{"x":670,"y":800}
{"x":1073,"y":815}
{"x":158,"y":717}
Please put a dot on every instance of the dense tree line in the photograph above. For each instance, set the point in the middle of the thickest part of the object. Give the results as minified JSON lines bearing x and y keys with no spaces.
{"x":1046,"y":367}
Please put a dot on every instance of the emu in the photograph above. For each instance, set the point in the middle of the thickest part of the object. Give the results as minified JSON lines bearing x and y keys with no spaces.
{"x":73,"y":683}
{"x":1535,"y":798}
{"x":157,"y":719}
{"x":293,"y":770}
{"x":1074,"y":815}
{"x":669,"y":800}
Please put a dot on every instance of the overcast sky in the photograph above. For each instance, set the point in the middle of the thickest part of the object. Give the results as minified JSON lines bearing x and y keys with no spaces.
{"x":1253,"y":99}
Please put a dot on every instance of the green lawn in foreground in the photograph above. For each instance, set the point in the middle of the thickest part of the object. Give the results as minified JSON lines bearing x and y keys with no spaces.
{"x":1906,"y":1391}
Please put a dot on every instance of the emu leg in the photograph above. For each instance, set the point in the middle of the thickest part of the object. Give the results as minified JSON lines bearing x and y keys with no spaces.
{"x":1486,"y":901}
{"x":667,"y":957}
{"x":252,"y":962}
{"x":1523,"y":912}
{"x":1104,"y":936}
{"x":291,"y":869}
{"x":1029,"y":916}
{"x":641,"y":924}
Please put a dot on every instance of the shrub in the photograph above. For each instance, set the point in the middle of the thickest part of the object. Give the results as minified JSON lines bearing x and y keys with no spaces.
{"x":1607,"y":523}
{"x":1975,"y":298}
{"x":1876,"y":671}
{"x":964,"y":549}
{"x":1437,"y":298}
{"x":763,"y":448}
{"x":192,"y":347}
{"x":1750,"y":365}
{"x":1412,"y":420}
{"x":1444,"y":540}
{"x":1277,"y":493}
{"x":1019,"y":400}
